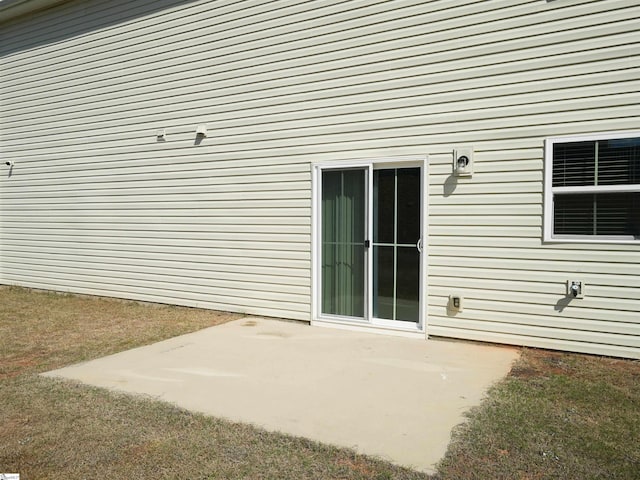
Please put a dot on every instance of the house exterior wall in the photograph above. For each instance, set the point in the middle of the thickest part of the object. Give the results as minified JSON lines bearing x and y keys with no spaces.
{"x":96,"y":204}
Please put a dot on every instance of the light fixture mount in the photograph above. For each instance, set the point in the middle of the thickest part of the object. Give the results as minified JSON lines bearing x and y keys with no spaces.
{"x":463,"y":162}
{"x":201,"y":130}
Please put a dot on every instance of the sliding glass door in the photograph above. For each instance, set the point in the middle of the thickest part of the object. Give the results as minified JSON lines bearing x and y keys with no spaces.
{"x":370,"y":229}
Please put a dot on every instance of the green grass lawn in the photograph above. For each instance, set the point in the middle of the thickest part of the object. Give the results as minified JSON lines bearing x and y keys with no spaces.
{"x":557,"y":415}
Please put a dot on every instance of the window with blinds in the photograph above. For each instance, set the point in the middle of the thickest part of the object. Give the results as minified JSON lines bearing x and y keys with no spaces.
{"x":592,"y":188}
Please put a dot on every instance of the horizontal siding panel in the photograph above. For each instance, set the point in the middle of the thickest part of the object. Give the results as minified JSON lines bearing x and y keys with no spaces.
{"x":485,"y":231}
{"x":481,"y":178}
{"x":286,"y":28}
{"x":270,"y":102}
{"x":603,"y":256}
{"x":210,"y":171}
{"x":313,"y":37}
{"x":99,"y":22}
{"x":228,"y":215}
{"x":582,"y":329}
{"x":439,"y":98}
{"x":326,"y":142}
{"x":483,"y":200}
{"x":92,"y":203}
{"x":295,"y":242}
{"x":158,"y":246}
{"x":179,"y":297}
{"x":508,"y":242}
{"x":517,"y":71}
{"x":539,"y":263}
{"x":226,"y":22}
{"x":212,"y":266}
{"x":439,"y":212}
{"x":589,"y":302}
{"x":518,"y":285}
{"x":164,"y":189}
{"x":388,"y":126}
{"x":168,"y":182}
{"x":166,"y":230}
{"x":104,"y":124}
{"x":368,"y":54}
{"x":381,"y":147}
{"x":486,"y":319}
{"x":483,"y":167}
{"x":484,"y":101}
{"x":177,"y":223}
{"x":243,"y":285}
{"x":486,"y":220}
{"x":629,"y":341}
{"x":230,"y":295}
{"x":516,"y":307}
{"x":535,"y":243}
{"x":288,"y":34}
{"x":483,"y":114}
{"x":552,"y":281}
{"x":596,"y":348}
{"x":235,"y":194}
{"x":196,"y":65}
{"x":178,"y":253}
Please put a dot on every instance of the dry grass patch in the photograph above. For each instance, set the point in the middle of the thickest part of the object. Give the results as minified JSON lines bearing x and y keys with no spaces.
{"x":51,"y":429}
{"x":558,"y":415}
{"x":42,"y":331}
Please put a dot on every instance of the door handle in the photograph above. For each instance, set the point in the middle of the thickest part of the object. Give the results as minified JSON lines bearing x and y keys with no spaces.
{"x":419,"y":245}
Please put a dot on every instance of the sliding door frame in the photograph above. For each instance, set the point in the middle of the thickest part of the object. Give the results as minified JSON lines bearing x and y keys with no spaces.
{"x":368,"y":323}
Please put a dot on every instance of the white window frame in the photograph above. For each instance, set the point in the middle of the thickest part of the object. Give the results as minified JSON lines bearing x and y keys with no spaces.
{"x":550,"y":191}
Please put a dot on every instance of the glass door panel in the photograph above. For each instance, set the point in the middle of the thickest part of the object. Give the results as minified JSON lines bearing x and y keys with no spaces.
{"x":408,"y":284}
{"x":384,"y":206}
{"x":343,"y":242}
{"x":397,"y":201}
{"x":383,"y":286}
{"x":409,"y":200}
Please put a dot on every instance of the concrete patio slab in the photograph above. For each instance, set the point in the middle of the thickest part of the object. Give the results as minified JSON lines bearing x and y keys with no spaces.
{"x":396,"y":398}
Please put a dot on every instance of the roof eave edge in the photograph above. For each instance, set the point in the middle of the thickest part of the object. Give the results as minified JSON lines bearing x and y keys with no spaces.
{"x":14,"y":8}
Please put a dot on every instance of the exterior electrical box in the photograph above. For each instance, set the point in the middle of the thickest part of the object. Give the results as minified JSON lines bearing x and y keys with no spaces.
{"x":575,"y":288}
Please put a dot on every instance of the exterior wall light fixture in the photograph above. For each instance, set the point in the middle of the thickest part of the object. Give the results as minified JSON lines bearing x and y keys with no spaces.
{"x":201,"y":131}
{"x":463,"y":162}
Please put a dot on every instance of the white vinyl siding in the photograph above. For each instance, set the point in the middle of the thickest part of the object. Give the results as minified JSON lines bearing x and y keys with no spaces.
{"x":96,"y":205}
